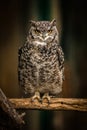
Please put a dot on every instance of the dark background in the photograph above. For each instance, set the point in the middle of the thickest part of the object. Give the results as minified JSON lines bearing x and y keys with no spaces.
{"x":71,"y":19}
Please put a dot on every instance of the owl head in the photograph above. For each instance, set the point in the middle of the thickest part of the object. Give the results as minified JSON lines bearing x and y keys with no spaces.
{"x":43,"y":32}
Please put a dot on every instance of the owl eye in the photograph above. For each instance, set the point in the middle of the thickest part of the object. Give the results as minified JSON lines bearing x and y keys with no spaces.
{"x":37,"y":31}
{"x":49,"y":31}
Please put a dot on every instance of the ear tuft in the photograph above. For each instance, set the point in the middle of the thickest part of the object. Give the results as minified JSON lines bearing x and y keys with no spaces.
{"x":33,"y":23}
{"x":53,"y":22}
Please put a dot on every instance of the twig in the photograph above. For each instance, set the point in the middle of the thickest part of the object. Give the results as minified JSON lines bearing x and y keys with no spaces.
{"x":8,"y":107}
{"x":55,"y":104}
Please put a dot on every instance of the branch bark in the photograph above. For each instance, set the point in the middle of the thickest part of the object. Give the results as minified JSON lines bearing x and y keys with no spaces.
{"x":55,"y":104}
{"x":8,"y":108}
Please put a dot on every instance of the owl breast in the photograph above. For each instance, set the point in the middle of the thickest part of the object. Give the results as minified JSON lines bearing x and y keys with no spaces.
{"x":44,"y":70}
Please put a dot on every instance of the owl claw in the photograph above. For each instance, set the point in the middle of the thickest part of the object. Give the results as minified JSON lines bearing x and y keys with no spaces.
{"x":46,"y":96}
{"x":36,"y":96}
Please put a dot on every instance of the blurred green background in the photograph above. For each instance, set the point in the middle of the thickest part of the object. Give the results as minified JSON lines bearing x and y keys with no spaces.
{"x":71,"y":19}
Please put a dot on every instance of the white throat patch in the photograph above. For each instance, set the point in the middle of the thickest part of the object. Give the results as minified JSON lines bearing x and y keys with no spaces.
{"x":40,"y":43}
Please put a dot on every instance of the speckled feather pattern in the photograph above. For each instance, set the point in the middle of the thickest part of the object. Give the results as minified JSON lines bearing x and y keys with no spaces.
{"x":41,"y":67}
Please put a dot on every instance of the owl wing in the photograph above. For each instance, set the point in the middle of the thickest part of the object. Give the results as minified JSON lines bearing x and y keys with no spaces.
{"x":61,"y":60}
{"x":22,"y":65}
{"x":60,"y":57}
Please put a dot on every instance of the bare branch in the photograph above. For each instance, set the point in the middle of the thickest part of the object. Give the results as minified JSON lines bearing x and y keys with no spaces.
{"x":8,"y":107}
{"x":55,"y":104}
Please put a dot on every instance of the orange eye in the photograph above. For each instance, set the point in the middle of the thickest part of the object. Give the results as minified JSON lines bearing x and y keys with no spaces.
{"x":37,"y":31}
{"x":49,"y":31}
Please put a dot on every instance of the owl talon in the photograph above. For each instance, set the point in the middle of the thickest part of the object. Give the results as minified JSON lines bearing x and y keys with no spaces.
{"x":36,"y":96}
{"x":47,"y":97}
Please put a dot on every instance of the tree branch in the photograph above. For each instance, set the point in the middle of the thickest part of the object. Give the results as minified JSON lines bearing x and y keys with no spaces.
{"x":25,"y":103}
{"x":55,"y":104}
{"x":8,"y":108}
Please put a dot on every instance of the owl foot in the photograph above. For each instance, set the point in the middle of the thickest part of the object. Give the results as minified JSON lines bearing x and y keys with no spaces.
{"x":36,"y":96}
{"x":47,"y":97}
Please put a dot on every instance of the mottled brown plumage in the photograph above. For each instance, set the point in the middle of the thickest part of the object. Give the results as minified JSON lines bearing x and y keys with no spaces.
{"x":41,"y":60}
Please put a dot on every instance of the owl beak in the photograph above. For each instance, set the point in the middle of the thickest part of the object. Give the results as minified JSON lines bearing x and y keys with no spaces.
{"x":43,"y":36}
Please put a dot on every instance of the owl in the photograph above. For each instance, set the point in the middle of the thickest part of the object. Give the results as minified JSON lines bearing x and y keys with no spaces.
{"x":41,"y":61}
